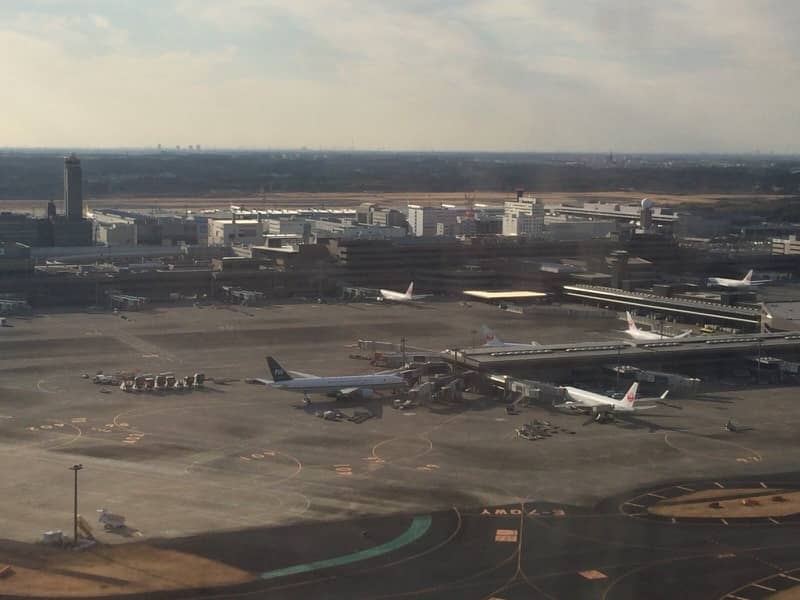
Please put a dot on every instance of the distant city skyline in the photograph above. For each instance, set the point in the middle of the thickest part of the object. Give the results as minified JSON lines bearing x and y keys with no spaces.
{"x":701,"y":76}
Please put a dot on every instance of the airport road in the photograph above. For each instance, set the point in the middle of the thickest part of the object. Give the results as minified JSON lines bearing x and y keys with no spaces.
{"x":246,"y":476}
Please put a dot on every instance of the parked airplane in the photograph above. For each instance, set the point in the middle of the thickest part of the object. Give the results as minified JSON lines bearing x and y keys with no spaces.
{"x":739,"y":284}
{"x":490,"y":340}
{"x":602,"y":407}
{"x":639,"y":334}
{"x":408,"y":296}
{"x":293,"y":381}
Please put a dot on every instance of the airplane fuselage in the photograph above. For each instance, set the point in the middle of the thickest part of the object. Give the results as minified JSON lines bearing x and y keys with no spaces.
{"x":590,"y":400}
{"x":307,"y":385}
{"x":396,"y":296}
{"x":736,"y":284}
{"x":638,"y":334}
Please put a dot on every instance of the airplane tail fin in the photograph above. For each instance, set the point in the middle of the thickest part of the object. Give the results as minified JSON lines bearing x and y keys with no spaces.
{"x":748,"y":277}
{"x":277,"y":371}
{"x":630,"y":395}
{"x":410,"y":290}
{"x":631,"y":323}
{"x":489,"y":337}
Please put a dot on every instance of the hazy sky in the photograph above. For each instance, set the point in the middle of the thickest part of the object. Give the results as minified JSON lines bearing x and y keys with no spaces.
{"x":545,"y":75}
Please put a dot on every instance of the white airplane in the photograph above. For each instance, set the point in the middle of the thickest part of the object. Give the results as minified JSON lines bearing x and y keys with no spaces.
{"x":408,"y":296}
{"x":602,"y":407}
{"x":639,"y":334}
{"x":490,"y":340}
{"x":738,"y":284}
{"x":346,"y":385}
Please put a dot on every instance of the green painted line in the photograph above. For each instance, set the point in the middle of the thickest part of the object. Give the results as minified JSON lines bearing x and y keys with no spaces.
{"x":419,"y":527}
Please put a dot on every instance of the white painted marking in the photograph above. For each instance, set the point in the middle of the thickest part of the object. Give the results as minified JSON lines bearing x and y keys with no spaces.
{"x":763,"y":485}
{"x":724,"y":521}
{"x":656,"y":496}
{"x":774,"y":521}
{"x":718,"y":484}
{"x":736,"y":597}
{"x":790,"y":577}
{"x":764,"y":587}
{"x":636,"y":505}
{"x":685,"y":488}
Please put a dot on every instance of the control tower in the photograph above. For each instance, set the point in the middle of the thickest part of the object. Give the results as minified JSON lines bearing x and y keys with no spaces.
{"x":73,"y":188}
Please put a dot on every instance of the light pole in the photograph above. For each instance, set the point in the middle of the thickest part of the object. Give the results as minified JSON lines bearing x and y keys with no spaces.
{"x":758,"y":364}
{"x":75,"y":469}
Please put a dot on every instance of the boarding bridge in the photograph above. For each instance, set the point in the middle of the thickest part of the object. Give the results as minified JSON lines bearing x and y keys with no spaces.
{"x":515,"y":390}
{"x":126,"y":302}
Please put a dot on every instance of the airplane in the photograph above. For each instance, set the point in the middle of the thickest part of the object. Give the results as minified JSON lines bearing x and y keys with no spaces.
{"x":639,"y":334}
{"x":345,"y":385}
{"x":490,"y":340}
{"x":408,"y":296}
{"x":739,"y":284}
{"x":601,"y":407}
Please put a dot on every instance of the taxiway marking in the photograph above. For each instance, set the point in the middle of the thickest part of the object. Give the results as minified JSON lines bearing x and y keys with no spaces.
{"x":592,"y":574}
{"x":418,"y":528}
{"x":506,"y":535}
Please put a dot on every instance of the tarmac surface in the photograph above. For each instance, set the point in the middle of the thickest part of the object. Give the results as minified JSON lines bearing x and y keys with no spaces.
{"x":434,"y":502}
